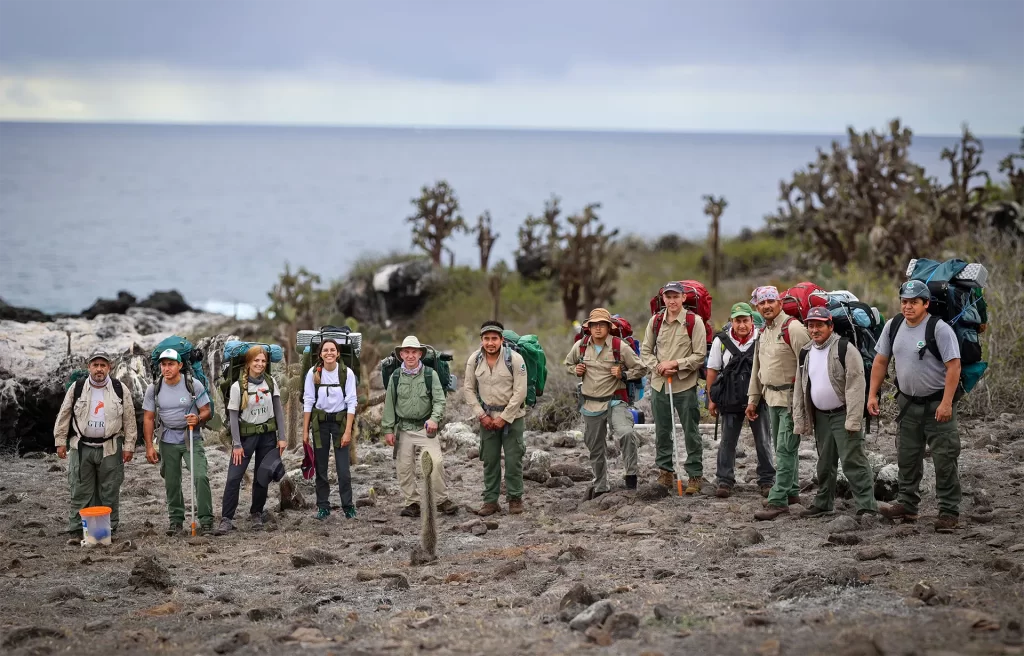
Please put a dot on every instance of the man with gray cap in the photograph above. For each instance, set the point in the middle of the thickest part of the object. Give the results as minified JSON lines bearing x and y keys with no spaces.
{"x":96,"y":424}
{"x":927,"y":377}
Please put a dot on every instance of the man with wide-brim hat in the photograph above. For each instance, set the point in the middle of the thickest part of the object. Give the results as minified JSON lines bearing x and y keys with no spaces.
{"x":413,"y":408}
{"x":96,"y":426}
{"x":495,"y":387}
{"x":604,"y":364}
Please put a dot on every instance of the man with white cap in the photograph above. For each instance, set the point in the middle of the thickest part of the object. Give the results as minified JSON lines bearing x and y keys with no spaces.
{"x":771,"y":379}
{"x":96,"y":424}
{"x":413,"y":408}
{"x":180,"y":406}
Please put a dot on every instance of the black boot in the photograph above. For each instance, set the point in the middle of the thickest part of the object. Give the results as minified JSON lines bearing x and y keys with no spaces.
{"x":631,"y":481}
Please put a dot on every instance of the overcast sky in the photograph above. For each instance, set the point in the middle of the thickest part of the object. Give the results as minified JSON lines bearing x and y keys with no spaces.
{"x":712,"y":65}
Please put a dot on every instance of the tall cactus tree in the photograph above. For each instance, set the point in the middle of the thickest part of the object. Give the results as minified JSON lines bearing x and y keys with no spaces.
{"x":485,"y":238}
{"x":436,"y":219}
{"x":714,"y":207}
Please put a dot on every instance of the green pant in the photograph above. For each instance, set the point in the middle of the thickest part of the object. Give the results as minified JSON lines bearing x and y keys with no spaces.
{"x":491,"y":444}
{"x":919,"y":428}
{"x":787,"y":454}
{"x":171,"y":457}
{"x":94,"y":481}
{"x":685,"y":403}
{"x":836,"y":444}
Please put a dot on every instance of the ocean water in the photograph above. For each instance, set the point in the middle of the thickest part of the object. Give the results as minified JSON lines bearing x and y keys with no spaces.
{"x":215,"y":212}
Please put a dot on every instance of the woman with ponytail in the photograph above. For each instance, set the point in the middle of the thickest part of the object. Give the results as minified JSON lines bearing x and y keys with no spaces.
{"x":257,"y":420}
{"x":329,"y":397}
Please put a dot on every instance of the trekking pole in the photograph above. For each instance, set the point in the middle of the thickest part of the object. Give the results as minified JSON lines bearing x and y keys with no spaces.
{"x":192,"y":477}
{"x":675,"y":447}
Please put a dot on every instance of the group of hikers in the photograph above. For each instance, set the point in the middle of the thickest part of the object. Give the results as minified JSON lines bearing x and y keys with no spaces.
{"x":785,"y":376}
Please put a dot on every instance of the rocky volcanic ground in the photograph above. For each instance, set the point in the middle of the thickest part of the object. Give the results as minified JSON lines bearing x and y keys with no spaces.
{"x":628,"y":573}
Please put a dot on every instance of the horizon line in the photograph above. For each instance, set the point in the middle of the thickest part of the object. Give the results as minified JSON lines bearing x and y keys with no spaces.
{"x":472,"y":128}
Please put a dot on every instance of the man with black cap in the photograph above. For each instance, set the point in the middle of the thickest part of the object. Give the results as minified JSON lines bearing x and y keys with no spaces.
{"x":496,"y":390}
{"x":927,"y":376}
{"x":604,"y":397}
{"x":829,"y":402}
{"x":96,"y":423}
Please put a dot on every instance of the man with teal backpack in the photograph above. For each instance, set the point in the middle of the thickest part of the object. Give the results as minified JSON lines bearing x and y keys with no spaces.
{"x":496,"y":389}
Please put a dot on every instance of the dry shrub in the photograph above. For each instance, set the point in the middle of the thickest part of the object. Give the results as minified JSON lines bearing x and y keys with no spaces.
{"x":556,"y":410}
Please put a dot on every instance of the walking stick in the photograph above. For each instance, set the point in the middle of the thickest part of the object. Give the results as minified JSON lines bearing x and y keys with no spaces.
{"x":192,"y":476}
{"x":675,"y":447}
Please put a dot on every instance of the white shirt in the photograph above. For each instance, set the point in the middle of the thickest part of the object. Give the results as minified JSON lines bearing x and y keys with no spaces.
{"x":96,"y":425}
{"x":823,"y":395}
{"x":330,"y":399}
{"x":259,"y":409}
{"x":719,"y":356}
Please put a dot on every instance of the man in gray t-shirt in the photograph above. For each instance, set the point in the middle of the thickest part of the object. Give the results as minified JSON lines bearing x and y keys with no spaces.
{"x":927,"y":386}
{"x":175,"y":403}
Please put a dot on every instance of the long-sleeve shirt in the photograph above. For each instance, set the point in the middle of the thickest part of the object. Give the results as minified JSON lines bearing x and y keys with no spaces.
{"x":414,"y":406}
{"x":598,"y":380}
{"x":674,"y":343}
{"x":118,"y":418}
{"x":775,"y":362}
{"x":503,"y":391}
{"x":330,"y":399}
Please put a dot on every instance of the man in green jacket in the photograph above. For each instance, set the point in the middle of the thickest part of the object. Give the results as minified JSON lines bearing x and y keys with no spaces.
{"x":410,"y":420}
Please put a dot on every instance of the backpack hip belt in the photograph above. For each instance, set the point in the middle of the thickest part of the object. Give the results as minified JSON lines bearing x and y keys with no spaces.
{"x":246,"y":429}
{"x":98,"y":440}
{"x":317,"y":416}
{"x":924,"y":400}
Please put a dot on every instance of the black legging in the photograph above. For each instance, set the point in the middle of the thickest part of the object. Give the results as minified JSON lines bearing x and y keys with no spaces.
{"x":329,"y":430}
{"x":262,"y":446}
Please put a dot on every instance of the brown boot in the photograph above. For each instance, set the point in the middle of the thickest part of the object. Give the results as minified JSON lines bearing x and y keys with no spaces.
{"x":896,"y":511}
{"x":946,"y":523}
{"x":723,"y":491}
{"x":515,"y":506}
{"x":447,"y":507}
{"x":666,"y":479}
{"x":770,"y":513}
{"x":766,"y":490}
{"x":489,"y":509}
{"x":693,"y":485}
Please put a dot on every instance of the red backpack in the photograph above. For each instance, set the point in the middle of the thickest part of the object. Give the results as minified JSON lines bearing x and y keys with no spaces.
{"x":621,"y":330}
{"x":800,"y":298}
{"x":696,"y":299}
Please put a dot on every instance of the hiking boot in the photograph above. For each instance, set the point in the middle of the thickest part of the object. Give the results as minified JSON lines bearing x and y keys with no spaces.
{"x":723,"y":491}
{"x":896,"y":511}
{"x":814,"y":511}
{"x":204,"y":529}
{"x":350,"y":512}
{"x":489,"y":509}
{"x":446,"y":507}
{"x":946,"y":523}
{"x":591,"y":493}
{"x":693,"y":485}
{"x":323,"y":513}
{"x":174,"y":529}
{"x":765,"y":490}
{"x":225,"y":527}
{"x":256,"y":521}
{"x":412,"y":510}
{"x":770,"y":513}
{"x":515,"y":506}
{"x":666,"y":479}
{"x":630,"y":481}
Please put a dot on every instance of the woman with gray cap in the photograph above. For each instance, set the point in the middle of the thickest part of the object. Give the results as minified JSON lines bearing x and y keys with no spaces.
{"x":96,"y":425}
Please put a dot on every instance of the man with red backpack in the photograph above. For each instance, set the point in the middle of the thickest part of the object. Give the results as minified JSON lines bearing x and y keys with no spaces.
{"x":771,"y":379}
{"x":605,"y":363}
{"x":674,"y":355}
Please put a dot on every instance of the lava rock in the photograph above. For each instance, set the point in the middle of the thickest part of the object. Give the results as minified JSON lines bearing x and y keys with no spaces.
{"x":621,"y":626}
{"x":748,"y":537}
{"x":651,"y":492}
{"x":149,"y":572}
{"x":596,"y":613}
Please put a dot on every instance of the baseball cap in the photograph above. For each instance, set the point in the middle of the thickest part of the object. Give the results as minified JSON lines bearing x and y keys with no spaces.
{"x":673,"y":286}
{"x":170,"y":354}
{"x":741,"y":310}
{"x":818,"y":314}
{"x":99,"y":354}
{"x":915,"y":289}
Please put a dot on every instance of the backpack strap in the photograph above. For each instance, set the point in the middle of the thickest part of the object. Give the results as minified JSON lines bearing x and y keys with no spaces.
{"x":930,"y":343}
{"x":115,"y":384}
{"x":843,"y":345}
{"x":118,"y":388}
{"x":785,"y":331}
{"x":690,"y":321}
{"x":583,"y":346}
{"x":617,"y":350}
{"x":894,"y":328}
{"x":728,"y":345}
{"x":659,"y":319}
{"x":802,"y":357}
{"x":508,"y":359}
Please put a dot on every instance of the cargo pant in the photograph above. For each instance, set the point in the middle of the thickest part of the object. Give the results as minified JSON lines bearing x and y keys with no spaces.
{"x":595,"y":436}
{"x":835,"y":444}
{"x":328,"y":436}
{"x":94,"y":480}
{"x":919,"y":429}
{"x":492,"y":443}
{"x":685,"y":404}
{"x":787,"y":454}
{"x":410,"y":443}
{"x":171,"y":457}
{"x":732,"y":424}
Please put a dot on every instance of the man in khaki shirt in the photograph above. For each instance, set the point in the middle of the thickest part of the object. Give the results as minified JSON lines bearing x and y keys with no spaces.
{"x":674,"y":354}
{"x":605,"y":400}
{"x":495,"y":388}
{"x":771,"y":378}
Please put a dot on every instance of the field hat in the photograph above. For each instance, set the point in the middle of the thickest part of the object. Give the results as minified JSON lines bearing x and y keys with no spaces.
{"x":673,"y":286}
{"x":741,"y":310}
{"x":766,"y":293}
{"x":170,"y":354}
{"x":818,"y":314}
{"x":915,"y":289}
{"x":99,"y":354}
{"x":598,"y":315}
{"x":412,"y":342}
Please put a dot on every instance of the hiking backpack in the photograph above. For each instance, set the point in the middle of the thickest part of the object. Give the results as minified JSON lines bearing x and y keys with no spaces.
{"x":621,"y":331}
{"x":801,"y":297}
{"x":191,"y":370}
{"x":308,"y":343}
{"x":529,"y":347}
{"x":729,"y":391}
{"x":433,"y":363}
{"x":696,"y":302}
{"x":234,"y":364}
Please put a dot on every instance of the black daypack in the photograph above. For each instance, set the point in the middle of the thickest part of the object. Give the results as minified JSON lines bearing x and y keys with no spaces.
{"x":729,"y":391}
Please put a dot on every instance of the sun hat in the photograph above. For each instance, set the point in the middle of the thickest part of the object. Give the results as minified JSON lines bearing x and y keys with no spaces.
{"x":599,"y":315}
{"x":412,"y":342}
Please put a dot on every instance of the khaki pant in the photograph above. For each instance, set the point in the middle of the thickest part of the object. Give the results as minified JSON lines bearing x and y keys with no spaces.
{"x":410,"y":443}
{"x":595,"y":436}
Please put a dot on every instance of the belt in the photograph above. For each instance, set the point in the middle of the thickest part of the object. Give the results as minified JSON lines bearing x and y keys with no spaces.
{"x":924,"y":400}
{"x":835,"y":411}
{"x":98,"y":441}
{"x":781,"y":388}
